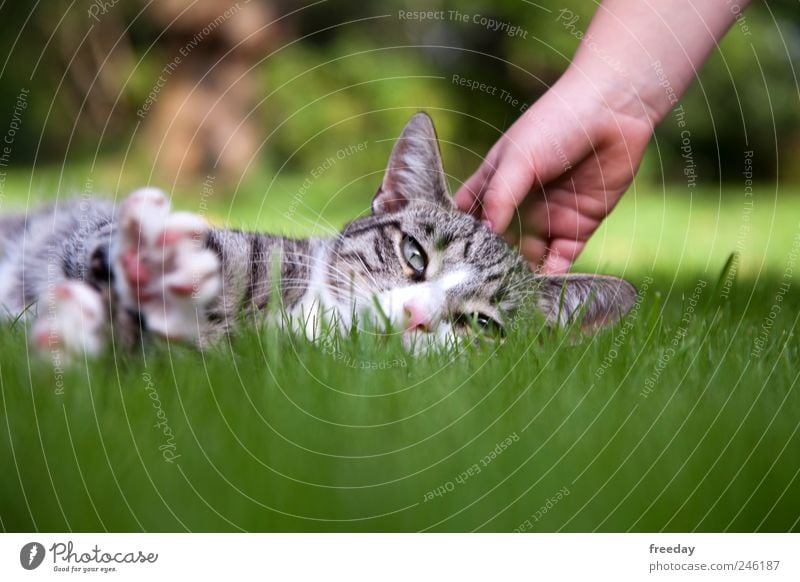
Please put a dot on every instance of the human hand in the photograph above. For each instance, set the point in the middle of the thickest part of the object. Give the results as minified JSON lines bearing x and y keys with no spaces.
{"x":552,"y":178}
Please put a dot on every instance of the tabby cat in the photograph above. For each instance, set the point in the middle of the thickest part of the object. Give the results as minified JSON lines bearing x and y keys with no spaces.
{"x":86,"y":270}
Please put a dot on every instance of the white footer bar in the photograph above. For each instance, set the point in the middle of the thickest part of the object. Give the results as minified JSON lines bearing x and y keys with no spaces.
{"x":406,"y":557}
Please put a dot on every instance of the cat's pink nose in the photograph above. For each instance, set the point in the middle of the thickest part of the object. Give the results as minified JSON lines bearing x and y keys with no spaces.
{"x":416,"y":316}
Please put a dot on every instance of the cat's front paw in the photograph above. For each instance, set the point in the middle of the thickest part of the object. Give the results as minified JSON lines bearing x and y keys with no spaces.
{"x":165,"y":272}
{"x":71,"y":321}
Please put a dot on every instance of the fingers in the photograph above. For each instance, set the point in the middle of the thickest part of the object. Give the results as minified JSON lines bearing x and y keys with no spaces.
{"x":560,"y":255}
{"x":534,"y":249}
{"x":493,"y":192}
{"x":552,"y":257}
{"x":507,"y":187}
{"x":556,"y":265}
{"x":468,"y":197}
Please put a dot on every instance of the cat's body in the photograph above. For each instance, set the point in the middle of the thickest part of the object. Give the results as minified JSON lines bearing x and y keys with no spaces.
{"x":87,"y":269}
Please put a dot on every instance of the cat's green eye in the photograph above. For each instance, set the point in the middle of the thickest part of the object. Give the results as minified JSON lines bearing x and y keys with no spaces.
{"x":414,"y":255}
{"x":480,"y":322}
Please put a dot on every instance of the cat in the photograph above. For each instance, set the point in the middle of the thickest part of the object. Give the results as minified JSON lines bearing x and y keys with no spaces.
{"x":87,"y":270}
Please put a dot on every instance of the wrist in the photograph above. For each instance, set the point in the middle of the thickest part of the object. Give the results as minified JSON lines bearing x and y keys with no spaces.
{"x":607,"y":99}
{"x":611,"y":87}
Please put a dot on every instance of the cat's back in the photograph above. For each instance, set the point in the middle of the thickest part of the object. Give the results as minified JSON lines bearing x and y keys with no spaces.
{"x":33,"y":243}
{"x":54,"y":220}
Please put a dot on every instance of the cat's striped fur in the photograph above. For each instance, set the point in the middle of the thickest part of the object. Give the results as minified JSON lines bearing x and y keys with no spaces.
{"x":88,"y":269}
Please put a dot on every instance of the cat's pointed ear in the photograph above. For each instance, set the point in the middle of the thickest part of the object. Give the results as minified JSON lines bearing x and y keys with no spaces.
{"x":596,"y":300}
{"x":415,"y":172}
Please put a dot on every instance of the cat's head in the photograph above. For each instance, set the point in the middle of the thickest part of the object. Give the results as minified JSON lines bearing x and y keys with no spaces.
{"x":434,"y":270}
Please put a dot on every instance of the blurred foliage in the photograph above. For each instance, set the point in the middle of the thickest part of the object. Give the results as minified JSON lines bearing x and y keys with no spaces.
{"x":346,"y":72}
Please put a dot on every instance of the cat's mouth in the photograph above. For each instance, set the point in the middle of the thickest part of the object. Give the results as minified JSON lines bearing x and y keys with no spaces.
{"x":422,"y":327}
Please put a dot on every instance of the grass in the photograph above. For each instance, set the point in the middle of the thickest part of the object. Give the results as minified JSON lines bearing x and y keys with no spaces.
{"x":682,"y":418}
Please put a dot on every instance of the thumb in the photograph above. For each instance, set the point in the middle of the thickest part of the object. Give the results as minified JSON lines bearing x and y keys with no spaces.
{"x":468,"y":197}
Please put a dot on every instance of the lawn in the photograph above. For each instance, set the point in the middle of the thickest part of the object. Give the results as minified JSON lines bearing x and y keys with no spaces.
{"x":682,"y":418}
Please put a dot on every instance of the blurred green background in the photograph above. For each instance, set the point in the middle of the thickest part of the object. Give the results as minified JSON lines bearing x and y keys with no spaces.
{"x":326,"y":71}
{"x":172,"y":90}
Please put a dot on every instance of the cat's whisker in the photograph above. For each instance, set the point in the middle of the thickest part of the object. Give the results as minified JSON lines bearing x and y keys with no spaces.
{"x":368,"y":273}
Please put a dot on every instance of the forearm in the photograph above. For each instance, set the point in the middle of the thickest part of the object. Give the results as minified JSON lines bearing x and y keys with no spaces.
{"x":639,"y":56}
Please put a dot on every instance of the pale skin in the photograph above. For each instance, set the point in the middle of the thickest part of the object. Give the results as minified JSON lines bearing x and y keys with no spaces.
{"x":559,"y":170}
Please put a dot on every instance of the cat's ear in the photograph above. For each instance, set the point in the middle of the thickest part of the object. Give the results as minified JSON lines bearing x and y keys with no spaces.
{"x":596,"y":300}
{"x":415,"y":172}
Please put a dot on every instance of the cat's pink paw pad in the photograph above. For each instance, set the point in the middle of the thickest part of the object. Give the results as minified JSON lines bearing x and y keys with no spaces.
{"x":168,"y":274}
{"x":71,"y":320}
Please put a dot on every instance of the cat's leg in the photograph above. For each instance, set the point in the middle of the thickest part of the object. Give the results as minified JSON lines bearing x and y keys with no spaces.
{"x":71,"y":320}
{"x":163,"y":271}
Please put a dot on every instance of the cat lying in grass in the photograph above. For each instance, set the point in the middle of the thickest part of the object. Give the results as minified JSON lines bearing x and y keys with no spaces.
{"x":84,"y":271}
